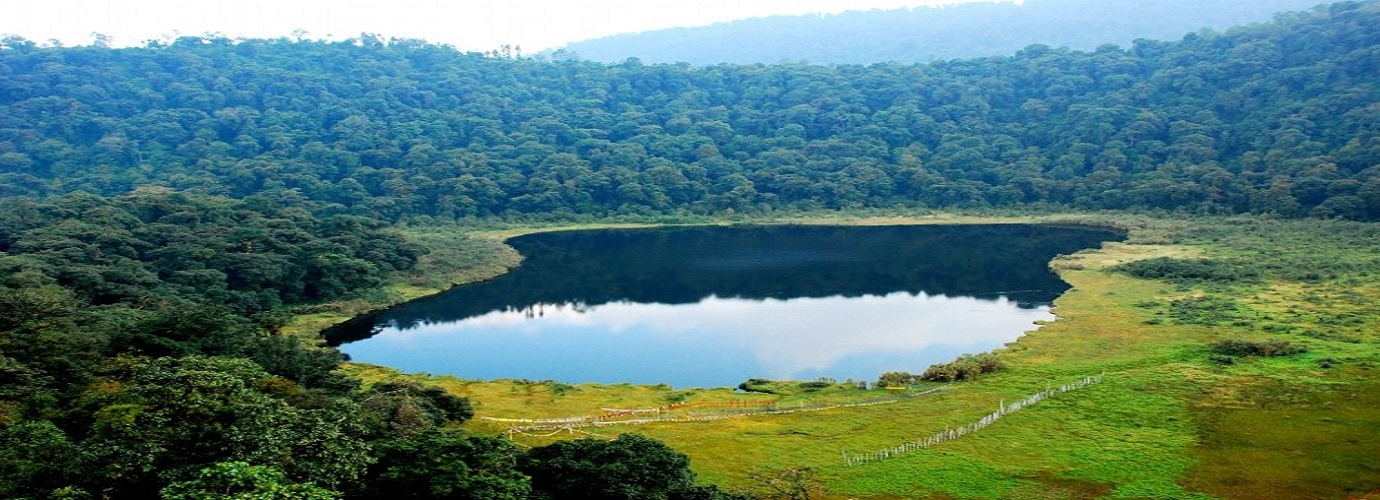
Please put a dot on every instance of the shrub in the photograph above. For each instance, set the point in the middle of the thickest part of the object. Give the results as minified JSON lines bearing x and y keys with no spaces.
{"x":629,"y":467}
{"x":1203,"y":310}
{"x":896,"y":379}
{"x":942,"y":372}
{"x":759,"y":385}
{"x":1222,"y":359}
{"x":966,"y":367}
{"x":1266,"y":348}
{"x":1188,"y":271}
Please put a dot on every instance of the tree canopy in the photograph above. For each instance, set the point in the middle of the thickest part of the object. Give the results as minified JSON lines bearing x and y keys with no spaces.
{"x":249,"y":255}
{"x":1269,"y":118}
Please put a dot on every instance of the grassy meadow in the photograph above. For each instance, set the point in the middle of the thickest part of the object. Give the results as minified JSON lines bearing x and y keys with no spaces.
{"x":1172,"y":417}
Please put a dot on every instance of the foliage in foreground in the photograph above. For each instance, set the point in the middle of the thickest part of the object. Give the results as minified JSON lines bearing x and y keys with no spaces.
{"x":243,"y":481}
{"x":139,"y":357}
{"x":204,"y":426}
{"x":630,"y":467}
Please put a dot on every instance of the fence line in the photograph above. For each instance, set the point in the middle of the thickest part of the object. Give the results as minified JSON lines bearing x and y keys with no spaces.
{"x":663,"y":415}
{"x":950,"y":434}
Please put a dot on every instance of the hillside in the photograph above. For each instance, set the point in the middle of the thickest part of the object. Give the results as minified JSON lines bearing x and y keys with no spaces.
{"x":924,"y":34}
{"x":1275,"y":118}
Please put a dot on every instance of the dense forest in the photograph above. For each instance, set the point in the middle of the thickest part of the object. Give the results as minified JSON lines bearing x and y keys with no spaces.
{"x":164,"y":209}
{"x":1275,"y":118}
{"x":923,"y":34}
{"x":140,"y":356}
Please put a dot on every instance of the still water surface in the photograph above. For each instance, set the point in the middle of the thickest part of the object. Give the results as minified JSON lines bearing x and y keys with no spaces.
{"x":711,"y":307}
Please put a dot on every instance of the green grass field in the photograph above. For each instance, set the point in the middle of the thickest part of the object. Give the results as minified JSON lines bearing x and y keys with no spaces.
{"x":1168,"y":421}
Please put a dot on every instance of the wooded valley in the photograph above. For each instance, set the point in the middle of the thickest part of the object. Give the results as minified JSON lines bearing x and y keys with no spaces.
{"x":166,"y":210}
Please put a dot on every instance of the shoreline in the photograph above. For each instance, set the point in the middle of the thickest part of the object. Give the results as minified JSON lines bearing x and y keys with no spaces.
{"x":1166,"y":422}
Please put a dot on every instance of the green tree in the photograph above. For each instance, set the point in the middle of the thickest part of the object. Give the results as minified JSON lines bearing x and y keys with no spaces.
{"x":168,"y":418}
{"x":444,"y":464}
{"x":35,"y":458}
{"x":242,"y":481}
{"x":401,"y":409}
{"x":629,"y":467}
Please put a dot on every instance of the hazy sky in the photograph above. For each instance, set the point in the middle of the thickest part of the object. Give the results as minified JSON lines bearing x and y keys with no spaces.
{"x":467,"y":24}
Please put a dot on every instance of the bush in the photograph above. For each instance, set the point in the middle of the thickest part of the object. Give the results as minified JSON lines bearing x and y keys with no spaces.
{"x":966,"y":367}
{"x":1190,"y":271}
{"x":629,"y":467}
{"x":896,"y":379}
{"x":759,"y":385}
{"x":1222,"y":359}
{"x":1266,"y":348}
{"x":942,"y":372}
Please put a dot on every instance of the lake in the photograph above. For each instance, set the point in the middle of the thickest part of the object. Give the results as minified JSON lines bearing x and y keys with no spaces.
{"x":714,"y":306}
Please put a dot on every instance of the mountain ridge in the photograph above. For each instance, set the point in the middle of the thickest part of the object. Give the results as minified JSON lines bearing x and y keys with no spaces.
{"x":923,"y":34}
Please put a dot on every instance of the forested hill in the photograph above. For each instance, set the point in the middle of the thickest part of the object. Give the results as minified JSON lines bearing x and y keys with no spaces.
{"x":1279,"y":117}
{"x":922,"y":34}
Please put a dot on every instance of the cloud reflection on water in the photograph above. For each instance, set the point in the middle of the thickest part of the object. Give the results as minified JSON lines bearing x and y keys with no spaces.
{"x":695,"y":344}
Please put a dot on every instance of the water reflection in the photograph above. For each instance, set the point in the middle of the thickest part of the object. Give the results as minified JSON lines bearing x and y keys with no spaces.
{"x":713,"y":342}
{"x":715,"y":306}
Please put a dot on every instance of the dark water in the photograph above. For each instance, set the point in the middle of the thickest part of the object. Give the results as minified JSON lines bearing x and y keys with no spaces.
{"x":713,"y":306}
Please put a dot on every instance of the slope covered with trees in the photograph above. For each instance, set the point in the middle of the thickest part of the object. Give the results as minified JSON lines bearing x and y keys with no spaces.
{"x":139,"y":358}
{"x":250,"y":256}
{"x":1275,"y":118}
{"x":923,"y":34}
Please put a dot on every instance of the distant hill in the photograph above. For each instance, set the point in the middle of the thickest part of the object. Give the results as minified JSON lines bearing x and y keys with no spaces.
{"x":930,"y":33}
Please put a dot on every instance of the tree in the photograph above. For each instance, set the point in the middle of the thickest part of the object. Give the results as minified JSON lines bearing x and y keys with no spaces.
{"x":357,"y":129}
{"x":896,"y":379}
{"x":629,"y":467}
{"x":444,"y":464}
{"x":43,"y":342}
{"x":242,"y":481}
{"x":401,"y":409}
{"x":35,"y":458}
{"x":166,"y":419}
{"x":307,"y":366}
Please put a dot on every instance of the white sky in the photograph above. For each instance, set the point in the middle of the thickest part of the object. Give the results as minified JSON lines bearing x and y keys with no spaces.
{"x":469,"y":25}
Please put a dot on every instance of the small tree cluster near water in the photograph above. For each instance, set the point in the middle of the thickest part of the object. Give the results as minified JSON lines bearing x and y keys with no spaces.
{"x":966,"y":367}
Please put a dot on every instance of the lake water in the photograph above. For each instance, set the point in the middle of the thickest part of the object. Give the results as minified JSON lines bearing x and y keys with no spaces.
{"x":714,"y":306}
